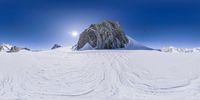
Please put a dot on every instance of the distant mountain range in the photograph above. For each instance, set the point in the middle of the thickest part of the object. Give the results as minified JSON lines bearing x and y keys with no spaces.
{"x":181,"y":50}
{"x":9,"y":48}
{"x":5,"y":47}
{"x":104,"y":35}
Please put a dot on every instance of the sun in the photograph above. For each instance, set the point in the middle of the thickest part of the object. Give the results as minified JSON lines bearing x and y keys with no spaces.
{"x":74,"y":33}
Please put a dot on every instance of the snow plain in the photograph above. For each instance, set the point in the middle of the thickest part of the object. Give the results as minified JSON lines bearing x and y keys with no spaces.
{"x":62,"y":74}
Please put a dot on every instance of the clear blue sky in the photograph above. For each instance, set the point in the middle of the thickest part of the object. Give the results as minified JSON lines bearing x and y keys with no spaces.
{"x":39,"y":24}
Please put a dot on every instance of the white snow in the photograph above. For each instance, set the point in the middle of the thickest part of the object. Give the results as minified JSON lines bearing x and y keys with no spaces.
{"x":63,"y":74}
{"x":87,"y":46}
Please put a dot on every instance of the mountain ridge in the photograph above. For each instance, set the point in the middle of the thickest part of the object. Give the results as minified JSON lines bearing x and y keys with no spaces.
{"x":11,"y":48}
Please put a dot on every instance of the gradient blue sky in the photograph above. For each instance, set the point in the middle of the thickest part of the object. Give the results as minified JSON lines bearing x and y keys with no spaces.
{"x":38,"y":24}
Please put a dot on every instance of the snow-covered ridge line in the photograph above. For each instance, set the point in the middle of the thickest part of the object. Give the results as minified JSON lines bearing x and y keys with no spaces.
{"x":10,"y":48}
{"x":5,"y":47}
{"x":181,"y":50}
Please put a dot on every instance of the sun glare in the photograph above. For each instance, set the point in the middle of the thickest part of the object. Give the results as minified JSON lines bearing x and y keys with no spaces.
{"x":74,"y":33}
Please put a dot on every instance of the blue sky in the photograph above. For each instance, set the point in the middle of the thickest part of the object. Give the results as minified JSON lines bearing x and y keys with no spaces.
{"x":39,"y":24}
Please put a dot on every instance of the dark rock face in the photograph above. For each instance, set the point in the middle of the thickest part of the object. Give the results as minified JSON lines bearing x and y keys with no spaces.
{"x":106,"y":35}
{"x":1,"y":48}
{"x":26,"y":49}
{"x":56,"y":46}
{"x":15,"y":49}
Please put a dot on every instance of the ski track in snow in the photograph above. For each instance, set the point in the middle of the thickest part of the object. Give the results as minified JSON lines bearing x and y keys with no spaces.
{"x":99,"y":75}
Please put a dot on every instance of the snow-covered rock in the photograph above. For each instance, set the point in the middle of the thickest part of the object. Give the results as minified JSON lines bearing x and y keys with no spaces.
{"x":172,"y":49}
{"x":56,"y":46}
{"x":9,"y":48}
{"x":5,"y":47}
{"x":107,"y":35}
{"x":17,"y":49}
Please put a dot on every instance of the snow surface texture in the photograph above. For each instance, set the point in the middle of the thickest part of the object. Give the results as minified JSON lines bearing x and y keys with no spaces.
{"x":62,"y":74}
{"x":181,"y":50}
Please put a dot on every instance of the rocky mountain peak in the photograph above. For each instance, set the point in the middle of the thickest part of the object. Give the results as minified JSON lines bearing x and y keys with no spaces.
{"x":9,"y":48}
{"x":56,"y":46}
{"x":105,"y":35}
{"x":5,"y":47}
{"x":17,"y":49}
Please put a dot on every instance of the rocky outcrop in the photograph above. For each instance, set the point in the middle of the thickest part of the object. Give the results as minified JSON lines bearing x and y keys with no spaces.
{"x":1,"y":48}
{"x":106,"y":35}
{"x":5,"y":47}
{"x":56,"y":46}
{"x":9,"y":48}
{"x":17,"y":49}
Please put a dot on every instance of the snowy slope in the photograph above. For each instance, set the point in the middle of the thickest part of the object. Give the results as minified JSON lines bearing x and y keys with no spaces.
{"x":87,"y":46}
{"x":62,"y":74}
{"x":134,"y":45}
